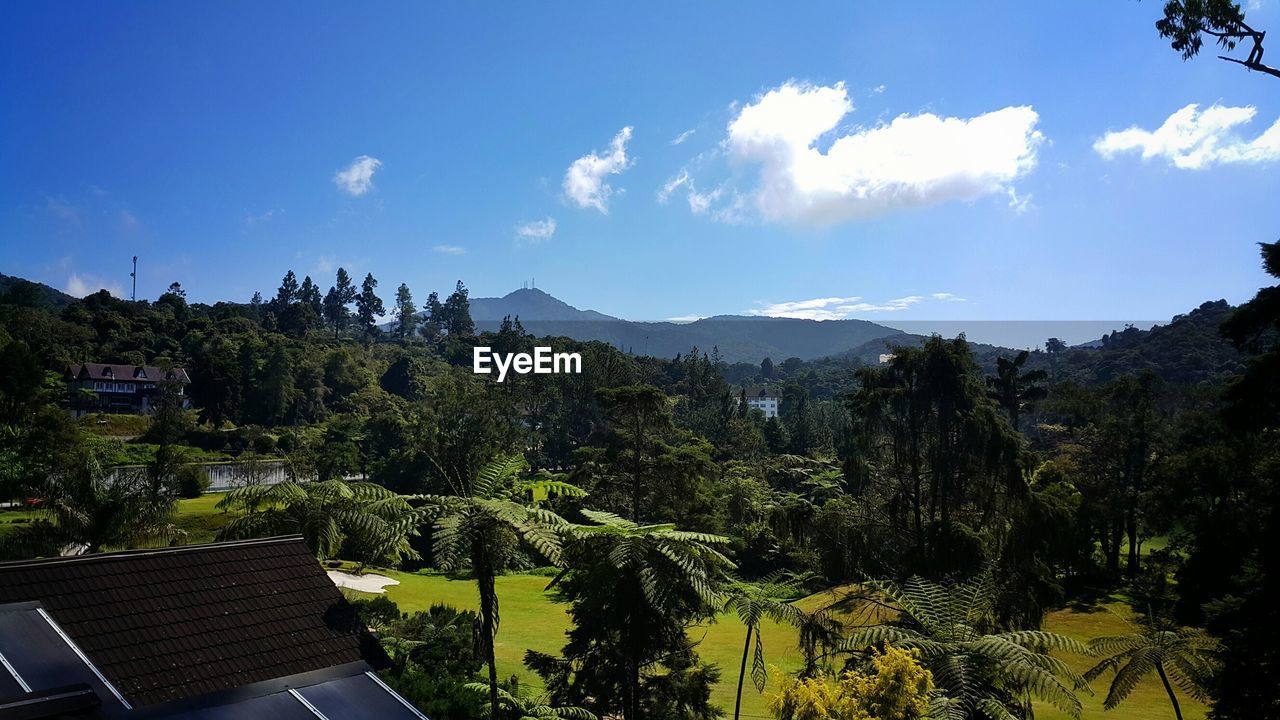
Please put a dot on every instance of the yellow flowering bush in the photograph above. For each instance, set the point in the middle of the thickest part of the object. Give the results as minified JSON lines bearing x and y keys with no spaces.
{"x":898,"y":689}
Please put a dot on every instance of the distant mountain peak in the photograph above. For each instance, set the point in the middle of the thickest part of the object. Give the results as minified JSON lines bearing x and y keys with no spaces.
{"x":530,"y":304}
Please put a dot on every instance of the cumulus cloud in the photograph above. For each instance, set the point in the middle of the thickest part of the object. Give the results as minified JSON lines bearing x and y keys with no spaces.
{"x":82,"y":285}
{"x":842,"y":308}
{"x":1193,"y":139}
{"x":450,"y":250}
{"x":812,"y":171}
{"x":357,"y":178}
{"x":536,"y":231}
{"x":585,"y":180}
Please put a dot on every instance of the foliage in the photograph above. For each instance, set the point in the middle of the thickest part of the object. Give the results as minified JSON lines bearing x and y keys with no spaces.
{"x":372,"y":522}
{"x":471,"y":525}
{"x":524,"y":707}
{"x":1185,"y":655}
{"x":897,"y":689}
{"x":634,"y":590}
{"x":975,"y":671}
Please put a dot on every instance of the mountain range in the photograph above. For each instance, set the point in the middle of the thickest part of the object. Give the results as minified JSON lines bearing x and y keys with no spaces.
{"x":744,"y":338}
{"x":738,"y":338}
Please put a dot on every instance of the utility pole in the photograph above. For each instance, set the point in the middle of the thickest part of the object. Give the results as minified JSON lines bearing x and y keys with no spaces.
{"x":134,"y":275}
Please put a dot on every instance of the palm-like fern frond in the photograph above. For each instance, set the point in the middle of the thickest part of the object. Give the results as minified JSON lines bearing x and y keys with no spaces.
{"x":974,"y":671}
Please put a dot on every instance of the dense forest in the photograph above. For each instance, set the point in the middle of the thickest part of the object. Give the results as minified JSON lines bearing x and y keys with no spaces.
{"x":965,"y":493}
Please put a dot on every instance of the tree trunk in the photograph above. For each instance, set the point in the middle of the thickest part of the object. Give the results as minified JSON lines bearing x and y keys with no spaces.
{"x":488,"y":600}
{"x":1131,"y":530}
{"x":742,"y":673}
{"x":1177,"y":711}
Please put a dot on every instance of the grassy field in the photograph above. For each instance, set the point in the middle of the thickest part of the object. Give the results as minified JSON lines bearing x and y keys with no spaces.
{"x":530,"y":620}
{"x":198,"y":517}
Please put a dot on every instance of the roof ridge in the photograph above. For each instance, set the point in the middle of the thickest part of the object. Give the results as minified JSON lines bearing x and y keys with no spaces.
{"x":142,"y":552}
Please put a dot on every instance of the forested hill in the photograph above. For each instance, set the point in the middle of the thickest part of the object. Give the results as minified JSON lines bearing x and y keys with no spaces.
{"x":17,"y":291}
{"x":738,"y":338}
{"x":1189,"y":349}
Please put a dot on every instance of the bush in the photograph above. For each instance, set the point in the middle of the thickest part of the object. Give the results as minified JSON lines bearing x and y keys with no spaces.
{"x":264,"y":444}
{"x":191,"y":480}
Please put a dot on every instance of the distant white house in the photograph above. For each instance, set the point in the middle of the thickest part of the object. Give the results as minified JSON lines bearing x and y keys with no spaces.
{"x":885,"y":357}
{"x":759,"y":398}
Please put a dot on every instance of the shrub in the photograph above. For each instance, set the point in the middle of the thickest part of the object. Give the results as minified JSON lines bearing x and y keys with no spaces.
{"x":191,"y":480}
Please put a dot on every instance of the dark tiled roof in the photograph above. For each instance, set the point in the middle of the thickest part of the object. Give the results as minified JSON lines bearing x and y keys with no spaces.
{"x":178,"y":622}
{"x":98,"y":371}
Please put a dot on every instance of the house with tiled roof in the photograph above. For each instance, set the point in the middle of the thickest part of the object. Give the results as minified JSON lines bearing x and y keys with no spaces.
{"x":251,"y":629}
{"x":115,"y":388}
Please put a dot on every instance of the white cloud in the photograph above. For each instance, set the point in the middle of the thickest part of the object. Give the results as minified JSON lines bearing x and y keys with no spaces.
{"x":61,"y":208}
{"x":684,"y":136}
{"x":912,"y":161}
{"x":878,"y":90}
{"x":685,"y":319}
{"x":584,"y":181}
{"x":82,"y":285}
{"x":450,"y":250}
{"x":730,"y":211}
{"x":536,"y":231}
{"x":128,"y":220}
{"x":264,"y":217}
{"x":1193,"y":139}
{"x":842,"y":308}
{"x":357,"y":178}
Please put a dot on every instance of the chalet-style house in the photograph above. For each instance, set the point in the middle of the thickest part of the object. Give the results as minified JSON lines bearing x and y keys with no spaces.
{"x":760,"y":398}
{"x":125,"y":389}
{"x":250,"y":630}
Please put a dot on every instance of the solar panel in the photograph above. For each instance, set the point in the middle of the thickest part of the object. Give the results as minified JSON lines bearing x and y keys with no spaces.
{"x":356,"y":698}
{"x":43,"y":658}
{"x":9,"y":686}
{"x":279,"y":706}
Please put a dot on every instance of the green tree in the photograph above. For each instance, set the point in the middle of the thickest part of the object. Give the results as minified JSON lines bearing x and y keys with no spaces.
{"x":1184,"y":654}
{"x":309,"y":295}
{"x":287,"y":294}
{"x":457,"y":313}
{"x":327,"y":514}
{"x":1187,"y":22}
{"x":471,"y":526}
{"x":340,"y":295}
{"x":525,"y":707}
{"x":978,"y":672}
{"x":634,"y":591}
{"x":754,"y":603}
{"x":368,"y":305}
{"x":1014,"y":389}
{"x":86,"y":507}
{"x":406,"y":312}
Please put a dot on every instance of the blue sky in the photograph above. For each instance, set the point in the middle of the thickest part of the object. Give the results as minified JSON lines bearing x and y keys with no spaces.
{"x":877,"y":160}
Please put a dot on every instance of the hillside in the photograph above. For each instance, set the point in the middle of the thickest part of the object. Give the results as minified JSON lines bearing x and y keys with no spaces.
{"x":18,"y":291}
{"x":738,"y":338}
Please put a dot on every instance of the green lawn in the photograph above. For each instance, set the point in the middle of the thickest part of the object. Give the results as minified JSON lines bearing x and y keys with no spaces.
{"x":1148,"y":701}
{"x":11,"y":519}
{"x":530,"y":620}
{"x":199,"y":518}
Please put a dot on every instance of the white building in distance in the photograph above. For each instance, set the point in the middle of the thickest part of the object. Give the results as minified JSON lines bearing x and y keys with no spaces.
{"x":763,"y":399}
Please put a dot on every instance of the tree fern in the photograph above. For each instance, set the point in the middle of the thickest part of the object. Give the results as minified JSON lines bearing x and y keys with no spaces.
{"x":976,"y":673}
